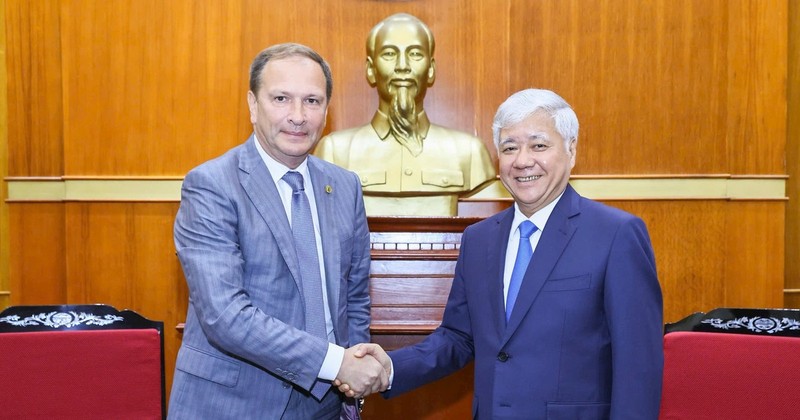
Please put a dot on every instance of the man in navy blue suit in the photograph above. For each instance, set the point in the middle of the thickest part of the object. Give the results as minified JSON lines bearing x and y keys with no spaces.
{"x":580,"y":335}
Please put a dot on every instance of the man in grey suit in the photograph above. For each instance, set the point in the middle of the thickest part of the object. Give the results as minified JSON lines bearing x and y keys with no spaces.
{"x":273,"y":314}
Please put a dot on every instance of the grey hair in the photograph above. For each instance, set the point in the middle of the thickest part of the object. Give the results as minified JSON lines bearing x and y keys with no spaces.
{"x":524,"y":103}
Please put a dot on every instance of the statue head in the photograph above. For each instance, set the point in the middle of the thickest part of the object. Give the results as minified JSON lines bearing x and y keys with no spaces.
{"x":400,"y":66}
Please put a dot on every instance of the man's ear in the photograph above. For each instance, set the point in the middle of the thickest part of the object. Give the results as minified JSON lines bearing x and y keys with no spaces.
{"x":573,"y":149}
{"x":370,"y":72}
{"x":251,"y":104}
{"x":432,"y":72}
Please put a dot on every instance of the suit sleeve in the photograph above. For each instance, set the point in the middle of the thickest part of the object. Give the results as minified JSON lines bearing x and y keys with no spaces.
{"x":633,"y":304}
{"x":208,"y":245}
{"x":358,"y":301}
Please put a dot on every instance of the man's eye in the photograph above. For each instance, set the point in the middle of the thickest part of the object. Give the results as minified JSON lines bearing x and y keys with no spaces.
{"x":507,"y":149}
{"x":388,"y":54}
{"x":416,"y":55}
{"x":281,"y":99}
{"x":313,"y":101}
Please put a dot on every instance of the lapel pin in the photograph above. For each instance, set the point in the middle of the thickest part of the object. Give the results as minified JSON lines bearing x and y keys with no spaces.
{"x":328,"y":189}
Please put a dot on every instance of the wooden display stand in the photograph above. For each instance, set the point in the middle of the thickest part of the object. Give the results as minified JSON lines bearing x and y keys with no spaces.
{"x":413,"y":261}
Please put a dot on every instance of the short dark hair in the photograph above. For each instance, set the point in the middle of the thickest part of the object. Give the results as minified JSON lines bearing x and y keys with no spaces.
{"x":287,"y":50}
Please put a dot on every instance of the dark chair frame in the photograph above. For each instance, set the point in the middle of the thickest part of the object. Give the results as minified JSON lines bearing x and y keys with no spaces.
{"x":752,"y":321}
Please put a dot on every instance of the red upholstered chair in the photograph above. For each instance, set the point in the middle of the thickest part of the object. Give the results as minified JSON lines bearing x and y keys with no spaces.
{"x":732,"y":364}
{"x":80,"y":362}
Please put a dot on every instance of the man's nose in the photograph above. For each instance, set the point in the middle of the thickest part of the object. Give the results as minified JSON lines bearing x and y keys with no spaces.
{"x":402,"y":63}
{"x":524,"y":159}
{"x":297,"y":116}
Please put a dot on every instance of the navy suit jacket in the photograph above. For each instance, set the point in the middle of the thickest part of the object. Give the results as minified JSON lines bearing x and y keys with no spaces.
{"x":244,"y":347}
{"x":585,"y":338}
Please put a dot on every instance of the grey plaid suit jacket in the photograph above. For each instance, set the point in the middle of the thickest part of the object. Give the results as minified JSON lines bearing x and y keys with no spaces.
{"x":244,"y":347}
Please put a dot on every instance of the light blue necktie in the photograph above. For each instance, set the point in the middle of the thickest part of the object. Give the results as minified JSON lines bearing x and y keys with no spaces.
{"x":305,"y":244}
{"x":524,"y":253}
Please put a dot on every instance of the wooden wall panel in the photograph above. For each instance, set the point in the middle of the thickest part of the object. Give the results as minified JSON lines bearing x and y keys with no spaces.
{"x":754,"y":266}
{"x":153,"y":88}
{"x":792,"y":300}
{"x":35,"y":129}
{"x":793,"y":160}
{"x":37,"y":270}
{"x":683,"y":236}
{"x":642,"y":110}
{"x":5,"y":294}
{"x":122,"y":254}
{"x":757,"y":94}
{"x":715,"y":253}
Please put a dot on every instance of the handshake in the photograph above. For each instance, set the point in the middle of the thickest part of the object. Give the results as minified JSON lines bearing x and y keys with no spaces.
{"x":365,"y":370}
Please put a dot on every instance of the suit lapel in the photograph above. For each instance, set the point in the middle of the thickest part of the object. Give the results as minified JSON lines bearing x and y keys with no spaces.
{"x":554,"y":239}
{"x":324,"y":190}
{"x":257,"y":183}
{"x":495,"y":260}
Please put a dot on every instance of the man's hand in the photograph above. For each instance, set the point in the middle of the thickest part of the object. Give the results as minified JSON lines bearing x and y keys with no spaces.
{"x":360,"y":351}
{"x":362,"y":375}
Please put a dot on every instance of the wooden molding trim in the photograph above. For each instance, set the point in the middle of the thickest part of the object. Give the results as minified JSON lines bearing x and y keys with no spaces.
{"x":93,"y":189}
{"x":599,"y":187}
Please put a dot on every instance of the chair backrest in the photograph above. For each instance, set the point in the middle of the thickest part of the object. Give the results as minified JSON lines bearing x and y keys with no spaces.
{"x":80,"y":362}
{"x":732,"y":363}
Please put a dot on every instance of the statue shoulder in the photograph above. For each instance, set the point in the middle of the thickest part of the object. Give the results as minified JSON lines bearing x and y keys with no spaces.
{"x":335,"y":147}
{"x":466,"y":142}
{"x":438,"y":131}
{"x":349,"y":134}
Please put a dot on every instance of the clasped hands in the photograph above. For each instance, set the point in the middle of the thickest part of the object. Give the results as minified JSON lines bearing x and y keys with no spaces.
{"x":365,"y":370}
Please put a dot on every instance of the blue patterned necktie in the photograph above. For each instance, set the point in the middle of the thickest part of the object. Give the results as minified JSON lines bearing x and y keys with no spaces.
{"x":305,"y":244}
{"x":524,"y":253}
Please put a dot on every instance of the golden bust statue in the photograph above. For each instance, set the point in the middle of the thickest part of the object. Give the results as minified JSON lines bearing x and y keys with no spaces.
{"x":408,"y":166}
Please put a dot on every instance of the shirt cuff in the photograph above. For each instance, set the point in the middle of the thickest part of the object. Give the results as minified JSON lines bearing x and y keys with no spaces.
{"x":332,"y":363}
{"x":391,"y":375}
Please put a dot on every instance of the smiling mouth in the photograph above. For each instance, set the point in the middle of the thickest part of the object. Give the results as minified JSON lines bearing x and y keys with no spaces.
{"x":527,"y":178}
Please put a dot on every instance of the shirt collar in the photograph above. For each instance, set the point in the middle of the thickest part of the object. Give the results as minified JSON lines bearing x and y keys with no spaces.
{"x":539,"y":218}
{"x":276,"y":169}
{"x":380,"y":123}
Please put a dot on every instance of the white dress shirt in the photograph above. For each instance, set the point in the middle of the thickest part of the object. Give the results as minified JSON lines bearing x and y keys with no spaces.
{"x":333,"y":359}
{"x":540,"y":220}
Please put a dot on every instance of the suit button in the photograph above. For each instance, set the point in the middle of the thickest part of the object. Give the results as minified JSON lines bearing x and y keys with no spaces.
{"x":502,"y":356}
{"x":409,"y":171}
{"x":286,"y":386}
